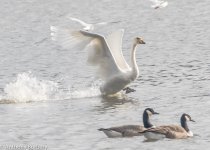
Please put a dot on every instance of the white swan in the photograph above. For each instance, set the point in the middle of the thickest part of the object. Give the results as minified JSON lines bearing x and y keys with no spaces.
{"x":88,"y":26}
{"x":106,"y":53}
{"x":159,"y":4}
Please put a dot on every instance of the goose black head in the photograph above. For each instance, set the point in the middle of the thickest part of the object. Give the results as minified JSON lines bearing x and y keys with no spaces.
{"x":150,"y":111}
{"x":187,"y":117}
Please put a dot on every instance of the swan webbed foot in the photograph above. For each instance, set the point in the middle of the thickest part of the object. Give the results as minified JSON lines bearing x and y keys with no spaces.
{"x":128,"y":90}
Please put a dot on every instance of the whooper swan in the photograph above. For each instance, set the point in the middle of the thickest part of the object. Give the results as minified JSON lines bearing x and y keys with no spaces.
{"x":106,"y":54}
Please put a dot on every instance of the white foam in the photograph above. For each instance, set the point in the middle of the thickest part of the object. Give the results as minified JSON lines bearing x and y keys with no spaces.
{"x":90,"y":92}
{"x":27,"y":88}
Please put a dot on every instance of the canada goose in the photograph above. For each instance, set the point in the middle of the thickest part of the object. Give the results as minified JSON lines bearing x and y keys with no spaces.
{"x":170,"y":131}
{"x":130,"y":130}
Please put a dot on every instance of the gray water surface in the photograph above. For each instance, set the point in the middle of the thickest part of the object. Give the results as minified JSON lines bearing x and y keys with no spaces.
{"x":49,"y":96}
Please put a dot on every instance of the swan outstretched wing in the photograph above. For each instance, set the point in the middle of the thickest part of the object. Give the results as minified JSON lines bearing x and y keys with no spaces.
{"x":88,"y":27}
{"x":80,"y":21}
{"x":114,"y":41}
{"x":69,"y":38}
{"x":99,"y":53}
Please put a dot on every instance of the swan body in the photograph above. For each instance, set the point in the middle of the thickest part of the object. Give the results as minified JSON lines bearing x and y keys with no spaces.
{"x":159,"y":4}
{"x":105,"y":54}
{"x":130,"y":130}
{"x":170,"y":131}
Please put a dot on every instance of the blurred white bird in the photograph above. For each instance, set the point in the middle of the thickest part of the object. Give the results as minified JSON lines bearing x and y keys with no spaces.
{"x":158,"y":4}
{"x":88,"y":26}
{"x":105,"y":54}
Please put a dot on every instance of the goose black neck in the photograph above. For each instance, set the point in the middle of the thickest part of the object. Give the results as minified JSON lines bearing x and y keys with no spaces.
{"x":184,"y":123}
{"x":146,"y":121}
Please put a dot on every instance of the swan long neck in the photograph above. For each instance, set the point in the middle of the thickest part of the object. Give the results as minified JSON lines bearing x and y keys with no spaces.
{"x":134,"y":65}
{"x":184,"y":124}
{"x":146,"y":121}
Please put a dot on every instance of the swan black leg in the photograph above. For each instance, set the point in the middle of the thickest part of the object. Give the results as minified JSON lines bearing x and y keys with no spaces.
{"x":128,"y":90}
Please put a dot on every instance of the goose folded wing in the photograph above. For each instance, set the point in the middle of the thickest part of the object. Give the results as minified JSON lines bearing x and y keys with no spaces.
{"x":175,"y":128}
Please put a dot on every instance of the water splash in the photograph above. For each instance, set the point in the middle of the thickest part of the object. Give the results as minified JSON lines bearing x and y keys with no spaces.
{"x":92,"y":91}
{"x":28,"y":88}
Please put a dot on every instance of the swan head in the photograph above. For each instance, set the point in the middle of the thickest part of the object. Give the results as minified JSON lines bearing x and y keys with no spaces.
{"x":139,"y":40}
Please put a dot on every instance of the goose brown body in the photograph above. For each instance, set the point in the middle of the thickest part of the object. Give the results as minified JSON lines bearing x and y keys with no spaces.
{"x":130,"y":130}
{"x":171,"y":131}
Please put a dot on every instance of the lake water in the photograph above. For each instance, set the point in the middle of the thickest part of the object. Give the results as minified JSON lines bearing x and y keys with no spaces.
{"x":49,"y":96}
